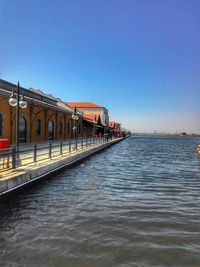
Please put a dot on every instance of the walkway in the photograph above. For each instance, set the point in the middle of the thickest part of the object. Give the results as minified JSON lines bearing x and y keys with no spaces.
{"x":49,"y":159}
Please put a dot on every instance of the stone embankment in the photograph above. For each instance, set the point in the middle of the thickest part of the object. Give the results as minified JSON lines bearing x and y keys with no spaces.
{"x":14,"y":179}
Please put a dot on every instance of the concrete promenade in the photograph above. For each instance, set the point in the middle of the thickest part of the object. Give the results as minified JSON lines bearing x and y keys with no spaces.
{"x":29,"y":171}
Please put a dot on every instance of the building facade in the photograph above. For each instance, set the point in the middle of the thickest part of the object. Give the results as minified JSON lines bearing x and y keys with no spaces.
{"x":115,"y":125}
{"x":45,"y":117}
{"x":89,"y":108}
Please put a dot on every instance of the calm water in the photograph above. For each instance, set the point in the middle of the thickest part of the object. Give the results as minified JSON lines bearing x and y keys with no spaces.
{"x":135,"y":204}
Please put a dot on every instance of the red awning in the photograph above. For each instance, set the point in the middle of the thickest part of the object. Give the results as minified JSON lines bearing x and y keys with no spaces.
{"x":116,"y":131}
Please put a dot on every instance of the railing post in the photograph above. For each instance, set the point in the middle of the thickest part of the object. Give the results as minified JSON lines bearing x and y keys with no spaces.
{"x":35,"y":153}
{"x":90,"y":141}
{"x":14,"y":157}
{"x":61,"y":148}
{"x":70,"y":143}
{"x":82,"y":143}
{"x":86,"y":142}
{"x":76,"y":143}
{"x":49,"y":150}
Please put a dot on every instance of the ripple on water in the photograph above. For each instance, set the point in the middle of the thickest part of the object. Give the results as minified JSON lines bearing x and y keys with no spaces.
{"x":135,"y":204}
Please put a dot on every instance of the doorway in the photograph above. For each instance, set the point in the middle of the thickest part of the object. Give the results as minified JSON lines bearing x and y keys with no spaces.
{"x":50,"y":130}
{"x":22,"y":130}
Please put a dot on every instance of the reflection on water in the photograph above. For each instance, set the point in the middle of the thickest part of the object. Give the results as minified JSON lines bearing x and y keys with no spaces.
{"x":199,"y":159}
{"x":135,"y":204}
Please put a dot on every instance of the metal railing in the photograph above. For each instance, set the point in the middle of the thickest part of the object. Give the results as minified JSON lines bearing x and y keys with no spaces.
{"x":24,"y":155}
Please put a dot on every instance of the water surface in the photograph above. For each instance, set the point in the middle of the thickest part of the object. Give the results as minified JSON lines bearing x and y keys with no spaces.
{"x":135,"y":204}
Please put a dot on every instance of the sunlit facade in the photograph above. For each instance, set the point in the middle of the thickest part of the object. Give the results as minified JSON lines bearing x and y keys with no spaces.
{"x":45,"y":117}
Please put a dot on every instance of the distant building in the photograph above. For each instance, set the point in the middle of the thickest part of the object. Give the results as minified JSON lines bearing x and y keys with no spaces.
{"x":95,"y":127}
{"x":96,"y":112}
{"x":115,"y":125}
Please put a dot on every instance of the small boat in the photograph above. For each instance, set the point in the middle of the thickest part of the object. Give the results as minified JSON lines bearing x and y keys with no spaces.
{"x":198,"y":149}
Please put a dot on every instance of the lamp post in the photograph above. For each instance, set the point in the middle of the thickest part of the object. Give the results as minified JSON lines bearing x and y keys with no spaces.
{"x":75,"y":118}
{"x":18,"y":101}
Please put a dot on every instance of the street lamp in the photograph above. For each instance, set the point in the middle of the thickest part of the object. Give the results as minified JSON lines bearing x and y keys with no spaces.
{"x":17,"y":101}
{"x":75,"y":118}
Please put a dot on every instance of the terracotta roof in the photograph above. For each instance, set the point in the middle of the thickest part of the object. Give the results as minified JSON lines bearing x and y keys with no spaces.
{"x":82,"y":105}
{"x":62,"y":105}
{"x":93,"y":117}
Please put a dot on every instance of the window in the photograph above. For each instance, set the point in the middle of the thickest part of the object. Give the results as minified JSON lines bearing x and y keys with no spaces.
{"x":22,"y":129}
{"x":1,"y":124}
{"x":38,"y":127}
{"x":61,"y":128}
{"x":50,"y":130}
{"x":68,"y":128}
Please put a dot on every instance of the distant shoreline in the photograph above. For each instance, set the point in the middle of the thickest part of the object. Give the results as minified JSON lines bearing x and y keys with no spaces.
{"x":166,"y":134}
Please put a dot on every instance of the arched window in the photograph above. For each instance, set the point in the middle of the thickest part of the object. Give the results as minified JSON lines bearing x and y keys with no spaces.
{"x":38,"y":127}
{"x":22,"y":129}
{"x":68,"y":128}
{"x":51,"y":130}
{"x":60,"y":128}
{"x":1,"y":124}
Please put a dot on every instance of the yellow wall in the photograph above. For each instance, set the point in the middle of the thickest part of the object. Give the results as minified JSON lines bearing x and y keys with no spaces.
{"x":5,"y":111}
{"x":31,"y":113}
{"x":37,"y":113}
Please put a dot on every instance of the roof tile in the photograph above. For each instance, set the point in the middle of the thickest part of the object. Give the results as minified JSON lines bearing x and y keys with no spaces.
{"x":82,"y":105}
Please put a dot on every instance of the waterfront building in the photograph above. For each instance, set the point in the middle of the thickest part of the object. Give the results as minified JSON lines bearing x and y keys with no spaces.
{"x":115,"y":125}
{"x":44,"y":118}
{"x":95,"y":119}
{"x":93,"y":109}
{"x":115,"y":128}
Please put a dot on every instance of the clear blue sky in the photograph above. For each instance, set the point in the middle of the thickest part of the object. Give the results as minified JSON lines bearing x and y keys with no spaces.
{"x":138,"y":58}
